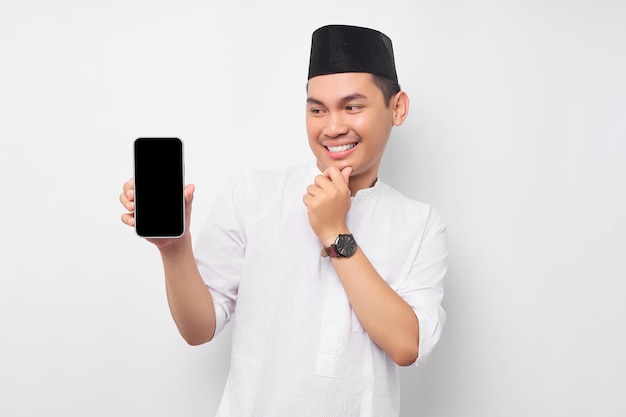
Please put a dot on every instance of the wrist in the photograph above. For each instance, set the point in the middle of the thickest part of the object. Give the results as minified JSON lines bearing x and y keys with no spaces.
{"x":344,"y":246}
{"x":330,"y":237}
{"x":176,"y":246}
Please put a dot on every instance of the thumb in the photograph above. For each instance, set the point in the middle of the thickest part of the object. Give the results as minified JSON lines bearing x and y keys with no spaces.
{"x":188,"y":191}
{"x":346,"y":174}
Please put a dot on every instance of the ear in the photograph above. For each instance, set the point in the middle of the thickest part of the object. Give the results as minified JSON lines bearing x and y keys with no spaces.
{"x":400,"y":108}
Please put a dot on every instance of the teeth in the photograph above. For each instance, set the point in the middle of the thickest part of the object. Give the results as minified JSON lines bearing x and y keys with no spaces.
{"x":341,"y":148}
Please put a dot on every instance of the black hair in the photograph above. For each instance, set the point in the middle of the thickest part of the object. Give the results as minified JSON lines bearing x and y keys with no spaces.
{"x":388,"y":87}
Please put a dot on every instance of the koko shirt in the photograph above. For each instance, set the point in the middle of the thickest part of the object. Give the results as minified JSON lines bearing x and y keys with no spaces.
{"x":298,"y":349}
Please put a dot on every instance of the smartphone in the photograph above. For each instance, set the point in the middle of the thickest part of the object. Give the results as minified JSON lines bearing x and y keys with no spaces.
{"x":159,"y":184}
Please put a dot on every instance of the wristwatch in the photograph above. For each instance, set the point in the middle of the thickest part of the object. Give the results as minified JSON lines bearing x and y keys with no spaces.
{"x":344,"y":247}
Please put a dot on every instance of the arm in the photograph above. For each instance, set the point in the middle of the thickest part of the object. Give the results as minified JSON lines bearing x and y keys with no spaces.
{"x":190,"y":301}
{"x":389,"y":321}
{"x":188,"y":297}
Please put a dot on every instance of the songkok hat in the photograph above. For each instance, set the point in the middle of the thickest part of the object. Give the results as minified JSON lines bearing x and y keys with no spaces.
{"x":340,"y":48}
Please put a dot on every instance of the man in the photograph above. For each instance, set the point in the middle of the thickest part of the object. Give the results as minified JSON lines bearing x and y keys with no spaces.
{"x":335,"y":278}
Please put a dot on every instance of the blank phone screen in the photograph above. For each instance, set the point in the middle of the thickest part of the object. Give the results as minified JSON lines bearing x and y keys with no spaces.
{"x":159,"y":182}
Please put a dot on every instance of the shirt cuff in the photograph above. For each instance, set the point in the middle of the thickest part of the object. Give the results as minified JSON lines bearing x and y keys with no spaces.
{"x":430,"y":333}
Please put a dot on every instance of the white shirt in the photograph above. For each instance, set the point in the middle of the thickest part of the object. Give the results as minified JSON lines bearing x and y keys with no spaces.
{"x":298,"y":349}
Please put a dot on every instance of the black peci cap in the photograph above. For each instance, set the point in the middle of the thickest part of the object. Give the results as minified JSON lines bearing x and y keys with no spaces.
{"x":340,"y":48}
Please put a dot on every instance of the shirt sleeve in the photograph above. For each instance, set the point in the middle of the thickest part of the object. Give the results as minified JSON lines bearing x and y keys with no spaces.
{"x":220,"y":250}
{"x":423,"y":288}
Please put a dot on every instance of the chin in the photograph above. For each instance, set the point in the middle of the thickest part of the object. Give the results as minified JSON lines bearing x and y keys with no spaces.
{"x":339,"y":165}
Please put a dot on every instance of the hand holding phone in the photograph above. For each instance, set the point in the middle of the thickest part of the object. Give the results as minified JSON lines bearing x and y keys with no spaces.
{"x":159,"y":200}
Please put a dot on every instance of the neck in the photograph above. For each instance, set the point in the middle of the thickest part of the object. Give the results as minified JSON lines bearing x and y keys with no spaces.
{"x":357,"y":184}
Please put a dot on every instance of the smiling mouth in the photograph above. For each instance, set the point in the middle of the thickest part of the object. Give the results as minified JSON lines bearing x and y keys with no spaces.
{"x":340,"y":148}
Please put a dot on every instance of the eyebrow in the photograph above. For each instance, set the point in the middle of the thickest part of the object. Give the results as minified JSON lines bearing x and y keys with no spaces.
{"x":342,"y":101}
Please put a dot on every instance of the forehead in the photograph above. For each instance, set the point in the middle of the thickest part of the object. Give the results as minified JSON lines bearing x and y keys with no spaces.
{"x":336,"y":86}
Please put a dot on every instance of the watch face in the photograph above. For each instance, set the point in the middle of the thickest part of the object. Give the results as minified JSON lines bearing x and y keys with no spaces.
{"x":346,"y":245}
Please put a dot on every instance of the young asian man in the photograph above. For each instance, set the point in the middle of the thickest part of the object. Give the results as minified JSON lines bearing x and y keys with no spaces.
{"x":334,"y":278}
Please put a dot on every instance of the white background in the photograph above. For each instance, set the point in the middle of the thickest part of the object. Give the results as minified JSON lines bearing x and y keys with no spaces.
{"x":517,"y":134}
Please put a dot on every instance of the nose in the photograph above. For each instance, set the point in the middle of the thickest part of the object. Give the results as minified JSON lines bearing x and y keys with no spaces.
{"x":335,"y":125}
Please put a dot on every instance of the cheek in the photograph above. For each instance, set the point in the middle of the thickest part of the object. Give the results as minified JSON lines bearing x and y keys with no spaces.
{"x":370,"y":127}
{"x":313,"y":124}
{"x":310,"y":129}
{"x":313,"y":132}
{"x":361,"y":126}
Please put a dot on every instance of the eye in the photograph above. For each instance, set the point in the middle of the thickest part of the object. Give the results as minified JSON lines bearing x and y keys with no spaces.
{"x":353,"y":108}
{"x":316,"y":111}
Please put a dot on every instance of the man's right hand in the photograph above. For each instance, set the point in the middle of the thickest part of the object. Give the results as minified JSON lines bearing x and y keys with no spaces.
{"x":127,"y":198}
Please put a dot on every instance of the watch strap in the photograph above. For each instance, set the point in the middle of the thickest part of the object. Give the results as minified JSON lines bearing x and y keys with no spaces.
{"x":330,"y":251}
